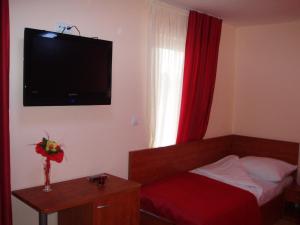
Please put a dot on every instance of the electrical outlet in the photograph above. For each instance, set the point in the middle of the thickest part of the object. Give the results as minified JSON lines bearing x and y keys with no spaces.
{"x":62,"y":27}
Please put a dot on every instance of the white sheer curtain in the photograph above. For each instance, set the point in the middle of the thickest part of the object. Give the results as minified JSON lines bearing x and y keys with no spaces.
{"x":167,"y":36}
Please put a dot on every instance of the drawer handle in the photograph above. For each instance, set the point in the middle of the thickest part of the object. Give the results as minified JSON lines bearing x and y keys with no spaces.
{"x":102,"y":206}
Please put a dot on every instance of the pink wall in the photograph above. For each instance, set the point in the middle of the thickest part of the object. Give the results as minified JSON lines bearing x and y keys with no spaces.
{"x":267,"y":95}
{"x":220,"y":121}
{"x":96,"y":138}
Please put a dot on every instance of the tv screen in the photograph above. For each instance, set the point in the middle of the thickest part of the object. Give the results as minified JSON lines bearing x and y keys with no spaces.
{"x":62,"y":69}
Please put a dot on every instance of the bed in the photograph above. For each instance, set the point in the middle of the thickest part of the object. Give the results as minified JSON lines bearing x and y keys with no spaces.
{"x":151,"y":166}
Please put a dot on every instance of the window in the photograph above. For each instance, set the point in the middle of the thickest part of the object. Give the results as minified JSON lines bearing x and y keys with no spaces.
{"x":167,"y":35}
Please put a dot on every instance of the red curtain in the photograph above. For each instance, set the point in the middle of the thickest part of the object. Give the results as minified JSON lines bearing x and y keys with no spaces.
{"x":201,"y":56}
{"x":5,"y":195}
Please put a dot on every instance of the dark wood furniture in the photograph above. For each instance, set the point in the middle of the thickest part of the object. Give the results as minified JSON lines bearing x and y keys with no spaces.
{"x":80,"y":202}
{"x":292,"y":199}
{"x":292,"y":194}
{"x":146,"y":166}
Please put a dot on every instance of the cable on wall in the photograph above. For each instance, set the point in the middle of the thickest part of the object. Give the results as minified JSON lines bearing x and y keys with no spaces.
{"x":70,"y":28}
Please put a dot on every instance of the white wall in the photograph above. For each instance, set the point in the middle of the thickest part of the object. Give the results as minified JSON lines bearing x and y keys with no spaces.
{"x":96,"y":138}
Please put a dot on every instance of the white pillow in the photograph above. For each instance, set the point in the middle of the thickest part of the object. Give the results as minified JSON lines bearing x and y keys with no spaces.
{"x":267,"y":168}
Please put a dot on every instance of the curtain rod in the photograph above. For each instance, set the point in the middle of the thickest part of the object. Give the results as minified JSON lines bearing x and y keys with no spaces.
{"x":181,"y":6}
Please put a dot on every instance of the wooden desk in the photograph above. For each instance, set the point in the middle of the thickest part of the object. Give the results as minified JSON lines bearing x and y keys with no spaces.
{"x":80,"y":202}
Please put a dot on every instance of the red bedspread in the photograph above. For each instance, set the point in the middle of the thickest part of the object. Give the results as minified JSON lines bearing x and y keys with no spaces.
{"x":191,"y":199}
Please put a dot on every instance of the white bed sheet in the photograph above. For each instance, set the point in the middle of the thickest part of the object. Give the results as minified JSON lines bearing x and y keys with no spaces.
{"x":230,"y":171}
{"x":272,"y":189}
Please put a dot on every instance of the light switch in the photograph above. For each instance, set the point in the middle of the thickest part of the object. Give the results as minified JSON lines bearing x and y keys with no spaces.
{"x":134,"y":121}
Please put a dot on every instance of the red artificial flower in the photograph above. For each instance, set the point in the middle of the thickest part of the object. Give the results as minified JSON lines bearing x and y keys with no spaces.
{"x":46,"y":149}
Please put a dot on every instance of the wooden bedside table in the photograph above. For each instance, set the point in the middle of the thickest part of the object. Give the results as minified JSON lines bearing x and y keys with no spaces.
{"x":292,"y":198}
{"x":80,"y":202}
{"x":292,"y":194}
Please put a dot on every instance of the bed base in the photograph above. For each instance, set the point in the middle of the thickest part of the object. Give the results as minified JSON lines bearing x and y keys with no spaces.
{"x":271,"y":212}
{"x":148,"y":218}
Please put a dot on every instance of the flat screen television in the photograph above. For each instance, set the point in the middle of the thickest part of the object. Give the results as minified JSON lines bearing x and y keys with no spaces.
{"x":62,"y":69}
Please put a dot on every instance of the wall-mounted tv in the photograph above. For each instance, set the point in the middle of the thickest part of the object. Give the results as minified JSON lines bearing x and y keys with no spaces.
{"x":62,"y":69}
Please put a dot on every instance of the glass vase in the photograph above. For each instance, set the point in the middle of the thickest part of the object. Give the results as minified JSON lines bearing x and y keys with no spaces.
{"x":47,"y":167}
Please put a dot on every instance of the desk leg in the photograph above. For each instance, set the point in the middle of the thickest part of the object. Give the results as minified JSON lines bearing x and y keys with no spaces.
{"x":43,"y":219}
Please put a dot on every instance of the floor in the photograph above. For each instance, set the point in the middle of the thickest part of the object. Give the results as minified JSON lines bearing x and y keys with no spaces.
{"x":286,"y":222}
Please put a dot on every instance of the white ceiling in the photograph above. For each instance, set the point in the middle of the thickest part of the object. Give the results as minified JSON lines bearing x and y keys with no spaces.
{"x":246,"y":12}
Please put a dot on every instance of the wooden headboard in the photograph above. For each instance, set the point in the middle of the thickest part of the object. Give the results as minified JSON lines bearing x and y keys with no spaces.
{"x":148,"y":165}
{"x":283,"y":150}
